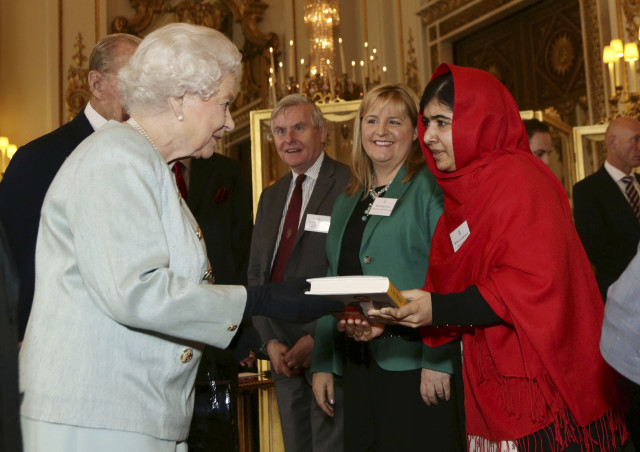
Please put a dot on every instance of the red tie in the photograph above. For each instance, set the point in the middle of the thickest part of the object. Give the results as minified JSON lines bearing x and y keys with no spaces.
{"x":182,"y":186}
{"x":289,"y":230}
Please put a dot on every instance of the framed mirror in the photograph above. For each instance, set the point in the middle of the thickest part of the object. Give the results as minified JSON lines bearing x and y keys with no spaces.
{"x":562,"y":159}
{"x":591,"y":151}
{"x":266,"y":165}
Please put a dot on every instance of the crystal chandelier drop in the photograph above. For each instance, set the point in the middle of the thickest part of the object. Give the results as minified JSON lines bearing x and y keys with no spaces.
{"x":321,"y":16}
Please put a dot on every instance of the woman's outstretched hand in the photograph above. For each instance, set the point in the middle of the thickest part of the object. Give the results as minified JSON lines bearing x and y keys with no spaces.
{"x":415,"y":314}
{"x":359,"y":327}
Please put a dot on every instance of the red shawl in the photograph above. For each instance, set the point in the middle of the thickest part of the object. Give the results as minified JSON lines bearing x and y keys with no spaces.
{"x":525,"y":257}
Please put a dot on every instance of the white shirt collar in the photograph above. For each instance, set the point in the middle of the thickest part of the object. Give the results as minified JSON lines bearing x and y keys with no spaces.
{"x":314,"y":170}
{"x":95,"y":119}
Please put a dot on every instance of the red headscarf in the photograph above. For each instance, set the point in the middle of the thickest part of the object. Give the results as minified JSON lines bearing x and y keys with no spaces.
{"x":525,"y":257}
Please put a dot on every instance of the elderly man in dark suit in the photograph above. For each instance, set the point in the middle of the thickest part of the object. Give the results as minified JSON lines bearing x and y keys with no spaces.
{"x":35,"y":164}
{"x":606,"y":208}
{"x":288,"y":241}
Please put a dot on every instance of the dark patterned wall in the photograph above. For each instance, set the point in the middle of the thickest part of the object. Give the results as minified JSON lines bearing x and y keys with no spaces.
{"x":536,"y":53}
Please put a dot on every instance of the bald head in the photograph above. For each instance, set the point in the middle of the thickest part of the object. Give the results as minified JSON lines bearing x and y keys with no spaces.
{"x":623,"y":144}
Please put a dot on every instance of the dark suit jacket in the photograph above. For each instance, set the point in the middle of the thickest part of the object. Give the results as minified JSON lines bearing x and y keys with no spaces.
{"x":10,"y":438}
{"x":220,"y":200}
{"x":308,"y":257}
{"x":608,"y":228}
{"x":22,"y":192}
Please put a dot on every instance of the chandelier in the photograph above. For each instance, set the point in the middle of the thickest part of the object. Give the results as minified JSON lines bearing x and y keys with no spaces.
{"x":319,"y":78}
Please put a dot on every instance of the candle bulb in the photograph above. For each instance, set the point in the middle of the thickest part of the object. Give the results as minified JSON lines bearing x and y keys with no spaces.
{"x":273,"y":66}
{"x":353,"y":71}
{"x":384,"y":73}
{"x":631,"y":56}
{"x":343,"y":67}
{"x":616,"y":45}
{"x":281,"y":72}
{"x":609,"y":58}
{"x":300,"y":79}
{"x":364,"y":81}
{"x":292,"y":60}
{"x":366,"y":58}
{"x":273,"y":90}
{"x":372,"y":69}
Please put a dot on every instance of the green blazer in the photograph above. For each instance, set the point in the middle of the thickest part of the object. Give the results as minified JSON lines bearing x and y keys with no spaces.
{"x":396,"y":246}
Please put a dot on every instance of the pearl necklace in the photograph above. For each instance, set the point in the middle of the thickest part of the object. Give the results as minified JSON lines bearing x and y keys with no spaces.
{"x":374,"y":194}
{"x":133,"y":123}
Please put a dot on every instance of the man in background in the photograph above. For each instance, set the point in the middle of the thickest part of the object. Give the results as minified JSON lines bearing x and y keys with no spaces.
{"x":539,"y":139}
{"x":10,"y":435}
{"x":606,"y":207}
{"x":219,"y":198}
{"x":285,"y":246}
{"x":35,"y":164}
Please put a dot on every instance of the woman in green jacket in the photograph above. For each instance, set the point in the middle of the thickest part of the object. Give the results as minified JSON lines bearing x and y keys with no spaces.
{"x":398,"y":392}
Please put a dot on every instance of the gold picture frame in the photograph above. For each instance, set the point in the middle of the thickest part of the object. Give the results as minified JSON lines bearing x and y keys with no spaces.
{"x":591,"y":151}
{"x":266,"y":165}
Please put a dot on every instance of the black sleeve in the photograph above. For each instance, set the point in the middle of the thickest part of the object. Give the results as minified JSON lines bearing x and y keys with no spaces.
{"x":467,"y":308}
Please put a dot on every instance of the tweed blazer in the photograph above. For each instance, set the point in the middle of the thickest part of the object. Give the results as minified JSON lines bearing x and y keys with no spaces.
{"x":120,"y":310}
{"x":396,"y":246}
{"x":22,"y":191}
{"x":307,"y":258}
{"x":608,"y":228}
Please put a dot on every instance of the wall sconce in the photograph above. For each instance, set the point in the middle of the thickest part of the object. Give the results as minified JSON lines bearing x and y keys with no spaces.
{"x":623,"y":81}
{"x":7,"y":151}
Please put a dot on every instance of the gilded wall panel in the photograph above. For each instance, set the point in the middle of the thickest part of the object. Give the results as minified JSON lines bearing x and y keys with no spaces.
{"x":536,"y":53}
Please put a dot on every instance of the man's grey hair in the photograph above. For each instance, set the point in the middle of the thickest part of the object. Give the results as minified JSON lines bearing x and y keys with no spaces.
{"x":292,"y":100}
{"x":105,"y":52}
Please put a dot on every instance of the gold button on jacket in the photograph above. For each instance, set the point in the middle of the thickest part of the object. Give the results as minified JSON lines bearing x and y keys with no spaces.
{"x":232,"y":327}
{"x":198,"y":232}
{"x":186,"y":356}
{"x":208,"y":276}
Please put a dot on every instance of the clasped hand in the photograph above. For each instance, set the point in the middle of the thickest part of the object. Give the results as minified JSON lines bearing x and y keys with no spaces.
{"x":358,"y":327}
{"x":415,"y":314}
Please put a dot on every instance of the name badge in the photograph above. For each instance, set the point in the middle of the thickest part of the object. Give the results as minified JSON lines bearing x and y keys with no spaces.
{"x":459,"y":235}
{"x":317,"y":223}
{"x":383,"y":206}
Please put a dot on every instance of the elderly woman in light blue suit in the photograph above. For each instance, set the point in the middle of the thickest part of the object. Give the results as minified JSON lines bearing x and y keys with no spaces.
{"x":123,"y":301}
{"x":397,"y":390}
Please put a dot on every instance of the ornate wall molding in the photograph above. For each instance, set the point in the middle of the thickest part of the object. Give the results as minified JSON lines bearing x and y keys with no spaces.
{"x":77,"y":94}
{"x":593,"y":61}
{"x":464,"y":12}
{"x":631,"y":12}
{"x":216,"y":14}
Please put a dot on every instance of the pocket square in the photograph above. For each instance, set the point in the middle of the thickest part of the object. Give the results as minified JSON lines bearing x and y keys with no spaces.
{"x":221,"y":195}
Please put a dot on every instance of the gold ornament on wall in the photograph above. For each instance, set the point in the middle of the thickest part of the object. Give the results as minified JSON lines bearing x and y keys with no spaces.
{"x":77,"y":94}
{"x":561,"y":54}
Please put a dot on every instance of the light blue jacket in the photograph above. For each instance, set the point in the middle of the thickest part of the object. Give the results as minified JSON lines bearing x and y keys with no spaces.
{"x":620,"y":340}
{"x":120,"y":304}
{"x":397,"y":247}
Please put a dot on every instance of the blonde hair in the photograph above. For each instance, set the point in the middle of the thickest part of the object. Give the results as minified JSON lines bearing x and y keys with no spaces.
{"x":404,"y":100}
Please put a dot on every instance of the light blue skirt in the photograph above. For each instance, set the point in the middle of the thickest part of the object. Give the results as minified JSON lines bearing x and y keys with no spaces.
{"x":40,"y":436}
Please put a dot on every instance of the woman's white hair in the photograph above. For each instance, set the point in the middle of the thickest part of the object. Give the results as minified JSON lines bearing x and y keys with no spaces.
{"x":175,"y":60}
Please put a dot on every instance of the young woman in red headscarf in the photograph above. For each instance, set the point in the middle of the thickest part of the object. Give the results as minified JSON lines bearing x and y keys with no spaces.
{"x":508,"y":270}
